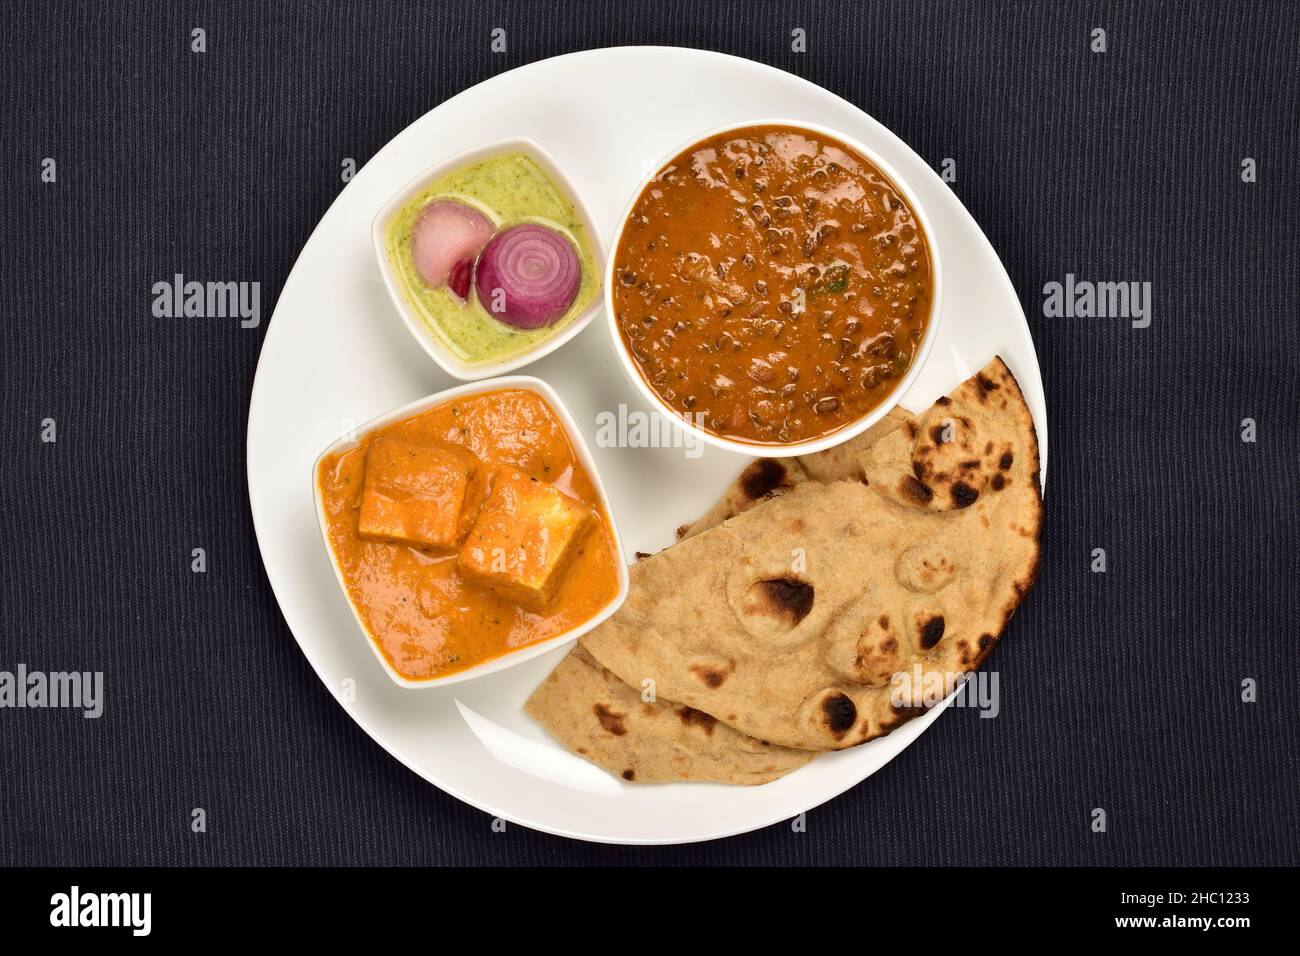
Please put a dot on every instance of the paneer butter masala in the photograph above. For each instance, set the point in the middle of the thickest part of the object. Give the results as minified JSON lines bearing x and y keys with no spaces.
{"x":468,"y":531}
{"x":772,"y":285}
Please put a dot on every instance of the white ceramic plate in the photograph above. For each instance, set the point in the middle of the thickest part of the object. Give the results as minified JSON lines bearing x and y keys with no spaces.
{"x":336,"y":355}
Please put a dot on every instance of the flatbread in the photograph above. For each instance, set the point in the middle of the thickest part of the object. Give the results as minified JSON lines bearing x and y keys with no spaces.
{"x":594,"y":714}
{"x":768,"y":477}
{"x":794,"y":620}
{"x":599,"y":717}
{"x":841,"y":462}
{"x":966,"y":445}
{"x":762,"y":478}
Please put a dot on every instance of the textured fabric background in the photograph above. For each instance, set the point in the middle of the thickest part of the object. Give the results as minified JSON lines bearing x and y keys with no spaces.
{"x":1119,"y":690}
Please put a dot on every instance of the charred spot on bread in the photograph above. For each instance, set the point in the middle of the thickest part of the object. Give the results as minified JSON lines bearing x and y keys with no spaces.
{"x":611,"y":720}
{"x":840,"y":713}
{"x":932,"y":632}
{"x":786,"y":598}
{"x":915,"y":490}
{"x":985,"y":386}
{"x":762,"y":477}
{"x":963,"y":495}
{"x":697,"y":718}
{"x":711,"y":676}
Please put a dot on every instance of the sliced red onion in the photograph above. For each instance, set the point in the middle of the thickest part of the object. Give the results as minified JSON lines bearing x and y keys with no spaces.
{"x":445,"y":241}
{"x":528,"y":276}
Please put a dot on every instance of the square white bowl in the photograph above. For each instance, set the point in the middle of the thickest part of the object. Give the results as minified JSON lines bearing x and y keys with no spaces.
{"x":415,"y":323}
{"x":511,"y":658}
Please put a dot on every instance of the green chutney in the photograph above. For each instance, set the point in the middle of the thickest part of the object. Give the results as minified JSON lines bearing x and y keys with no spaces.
{"x":510,"y":188}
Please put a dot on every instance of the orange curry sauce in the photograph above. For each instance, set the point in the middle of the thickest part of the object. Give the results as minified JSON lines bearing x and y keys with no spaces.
{"x":426,"y":617}
{"x":772,"y":284}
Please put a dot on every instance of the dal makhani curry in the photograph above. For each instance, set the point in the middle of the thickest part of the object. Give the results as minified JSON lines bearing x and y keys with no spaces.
{"x":468,"y":531}
{"x":772,"y":284}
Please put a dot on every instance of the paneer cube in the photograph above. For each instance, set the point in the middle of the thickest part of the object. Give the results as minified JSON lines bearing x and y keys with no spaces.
{"x":524,"y":539}
{"x":416,"y":493}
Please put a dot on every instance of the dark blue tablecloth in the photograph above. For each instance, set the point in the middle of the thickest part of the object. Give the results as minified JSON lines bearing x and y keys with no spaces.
{"x":1120,"y":690}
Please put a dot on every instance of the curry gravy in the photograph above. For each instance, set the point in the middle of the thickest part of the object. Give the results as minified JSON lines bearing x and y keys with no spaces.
{"x":420,"y":609}
{"x":772,"y":284}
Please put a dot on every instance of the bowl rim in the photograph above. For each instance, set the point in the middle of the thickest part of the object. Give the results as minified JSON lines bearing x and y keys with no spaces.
{"x":353,"y":437}
{"x":450,"y":363}
{"x":845,"y":432}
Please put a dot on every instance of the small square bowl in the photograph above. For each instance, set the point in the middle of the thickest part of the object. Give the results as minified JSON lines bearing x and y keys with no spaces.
{"x":415,"y":323}
{"x":510,"y":658}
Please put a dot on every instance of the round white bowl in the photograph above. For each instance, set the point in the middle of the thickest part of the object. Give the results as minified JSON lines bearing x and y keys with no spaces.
{"x":848,"y":431}
{"x":511,"y":658}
